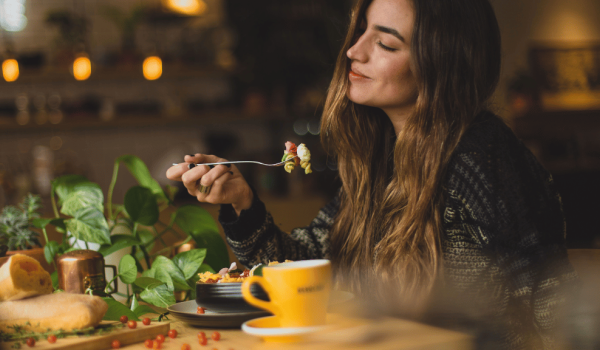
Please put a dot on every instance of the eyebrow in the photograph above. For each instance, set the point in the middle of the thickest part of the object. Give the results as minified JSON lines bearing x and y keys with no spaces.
{"x":389,"y":30}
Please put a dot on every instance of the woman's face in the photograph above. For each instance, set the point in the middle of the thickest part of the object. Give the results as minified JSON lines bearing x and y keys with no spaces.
{"x":380,"y":74}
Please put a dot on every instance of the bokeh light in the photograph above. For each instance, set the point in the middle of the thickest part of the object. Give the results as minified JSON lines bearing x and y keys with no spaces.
{"x":82,"y":68}
{"x":10,"y":69}
{"x":152,"y":68}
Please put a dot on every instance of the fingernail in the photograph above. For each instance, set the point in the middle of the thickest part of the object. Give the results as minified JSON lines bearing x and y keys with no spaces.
{"x":191,"y":165}
{"x":231,"y":172}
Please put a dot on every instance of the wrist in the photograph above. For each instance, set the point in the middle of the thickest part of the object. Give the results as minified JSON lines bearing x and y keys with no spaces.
{"x":245,"y":202}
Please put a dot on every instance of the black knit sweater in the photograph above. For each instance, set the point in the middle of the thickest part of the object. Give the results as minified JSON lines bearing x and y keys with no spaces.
{"x":503,"y":241}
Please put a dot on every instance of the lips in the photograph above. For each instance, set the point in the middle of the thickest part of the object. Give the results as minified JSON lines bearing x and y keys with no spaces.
{"x":356,"y":74}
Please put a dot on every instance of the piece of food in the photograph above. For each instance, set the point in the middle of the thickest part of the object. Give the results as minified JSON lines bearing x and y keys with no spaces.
{"x":56,"y":311}
{"x":124,"y":319}
{"x":51,"y":339}
{"x":202,"y":341}
{"x":146,"y":321}
{"x":148,"y":343}
{"x":216,"y":336}
{"x":172,"y":333}
{"x":30,"y":342}
{"x":201,"y":335}
{"x":23,"y":276}
{"x":160,"y":338}
{"x":115,"y":344}
{"x":303,"y":157}
{"x":132,"y":324}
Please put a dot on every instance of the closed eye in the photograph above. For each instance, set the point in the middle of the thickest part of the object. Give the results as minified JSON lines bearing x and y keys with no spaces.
{"x":386,"y":48}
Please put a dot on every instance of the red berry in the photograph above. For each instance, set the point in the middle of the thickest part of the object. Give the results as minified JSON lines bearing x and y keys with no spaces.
{"x":202,"y":340}
{"x":51,"y":339}
{"x":146,"y":321}
{"x":30,"y":342}
{"x":216,"y":336}
{"x":124,"y":319}
{"x":200,"y":310}
{"x":148,"y":343}
{"x":160,"y":338}
{"x":157,"y":345}
{"x":186,"y":347}
{"x":172,"y":334}
{"x":132,"y":324}
{"x":115,"y":344}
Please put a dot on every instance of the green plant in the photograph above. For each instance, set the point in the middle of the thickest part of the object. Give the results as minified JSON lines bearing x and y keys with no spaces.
{"x":16,"y":224}
{"x":80,"y":214}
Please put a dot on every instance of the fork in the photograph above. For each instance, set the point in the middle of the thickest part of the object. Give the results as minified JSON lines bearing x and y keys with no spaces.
{"x":241,"y":162}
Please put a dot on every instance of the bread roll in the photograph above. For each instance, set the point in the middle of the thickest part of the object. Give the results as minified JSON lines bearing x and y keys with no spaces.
{"x":56,"y":311}
{"x":23,"y":276}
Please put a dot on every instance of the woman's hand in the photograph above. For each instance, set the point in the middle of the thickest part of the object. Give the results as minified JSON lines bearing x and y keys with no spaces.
{"x":226,"y":184}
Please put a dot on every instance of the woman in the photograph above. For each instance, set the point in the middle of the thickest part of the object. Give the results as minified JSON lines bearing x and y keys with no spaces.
{"x":438,"y":196}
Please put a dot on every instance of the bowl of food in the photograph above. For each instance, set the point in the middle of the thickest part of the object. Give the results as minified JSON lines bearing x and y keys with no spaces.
{"x":222,"y":292}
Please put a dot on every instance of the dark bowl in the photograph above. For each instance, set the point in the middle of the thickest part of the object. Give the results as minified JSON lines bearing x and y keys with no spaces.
{"x":227,"y":297}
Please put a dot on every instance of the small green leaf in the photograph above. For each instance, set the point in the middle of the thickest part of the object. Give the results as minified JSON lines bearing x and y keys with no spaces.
{"x":89,"y":224}
{"x":141,"y":205}
{"x":50,"y":251}
{"x":165,"y":270}
{"x":258,"y":271}
{"x":140,"y":172}
{"x":54,"y":278}
{"x":189,"y":261}
{"x":199,"y":224}
{"x":134,"y":303}
{"x":127,"y":269}
{"x":116,"y":310}
{"x":40,"y":222}
{"x":147,"y":282}
{"x":141,"y":310}
{"x":118,"y":242}
{"x":159,"y":296}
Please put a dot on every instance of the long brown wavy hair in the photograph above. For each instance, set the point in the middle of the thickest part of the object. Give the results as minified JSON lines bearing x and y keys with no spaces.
{"x":388,"y":229}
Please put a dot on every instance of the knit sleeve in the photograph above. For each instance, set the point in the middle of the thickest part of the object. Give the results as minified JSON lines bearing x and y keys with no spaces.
{"x":254,"y":238}
{"x":507,"y":203}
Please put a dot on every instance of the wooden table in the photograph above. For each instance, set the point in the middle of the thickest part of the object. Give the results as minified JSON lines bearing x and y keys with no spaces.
{"x":385,"y":333}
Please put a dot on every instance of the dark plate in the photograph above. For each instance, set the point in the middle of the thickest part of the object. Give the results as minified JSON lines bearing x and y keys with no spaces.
{"x":227,"y":297}
{"x":187,"y":312}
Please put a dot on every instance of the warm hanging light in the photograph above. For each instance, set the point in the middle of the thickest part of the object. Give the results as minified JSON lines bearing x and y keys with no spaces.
{"x":10,"y":69}
{"x":82,"y":68}
{"x":152,"y":67}
{"x":186,"y":7}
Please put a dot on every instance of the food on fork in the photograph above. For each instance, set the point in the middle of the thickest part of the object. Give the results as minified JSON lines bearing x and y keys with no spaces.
{"x":23,"y":276}
{"x":303,"y":157}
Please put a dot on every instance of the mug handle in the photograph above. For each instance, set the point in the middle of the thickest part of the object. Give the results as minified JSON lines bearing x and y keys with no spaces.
{"x":114,"y":268}
{"x":251,"y":299}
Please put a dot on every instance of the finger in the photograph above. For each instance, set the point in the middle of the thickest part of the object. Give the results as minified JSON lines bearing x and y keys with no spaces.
{"x":216,"y":193}
{"x":191,"y":178}
{"x":176,"y":171}
{"x":215,"y":173}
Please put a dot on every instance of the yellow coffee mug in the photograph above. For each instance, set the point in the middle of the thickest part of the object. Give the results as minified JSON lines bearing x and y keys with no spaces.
{"x":298,"y":292}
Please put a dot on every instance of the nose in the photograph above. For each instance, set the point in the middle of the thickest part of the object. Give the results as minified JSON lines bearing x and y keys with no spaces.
{"x":358,"y":52}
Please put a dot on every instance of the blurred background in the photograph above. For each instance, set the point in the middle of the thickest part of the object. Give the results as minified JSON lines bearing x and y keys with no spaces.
{"x":86,"y":81}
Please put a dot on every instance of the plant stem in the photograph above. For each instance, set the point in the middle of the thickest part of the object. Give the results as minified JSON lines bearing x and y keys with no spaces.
{"x":111,"y":187}
{"x":53,"y":200}
{"x":45,"y":234}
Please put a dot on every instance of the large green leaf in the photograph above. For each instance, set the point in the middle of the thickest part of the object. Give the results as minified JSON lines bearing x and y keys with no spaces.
{"x":142,"y":310}
{"x":189,"y":262}
{"x":116,"y":310}
{"x":64,"y":185}
{"x":127,"y":269}
{"x":118,"y":242}
{"x":141,"y":205}
{"x":146,"y":282}
{"x":140,"y":172}
{"x":198,"y":223}
{"x":163,"y":269}
{"x":89,"y":224}
{"x":160,"y":296}
{"x":83,"y":195}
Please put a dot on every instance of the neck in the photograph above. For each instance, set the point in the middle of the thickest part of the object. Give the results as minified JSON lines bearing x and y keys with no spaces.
{"x":398,"y":117}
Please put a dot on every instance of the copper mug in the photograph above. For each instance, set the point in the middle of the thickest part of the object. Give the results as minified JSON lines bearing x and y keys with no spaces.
{"x":80,"y":270}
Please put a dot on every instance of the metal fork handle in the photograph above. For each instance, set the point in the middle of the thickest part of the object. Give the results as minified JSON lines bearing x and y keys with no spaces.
{"x":243,"y":162}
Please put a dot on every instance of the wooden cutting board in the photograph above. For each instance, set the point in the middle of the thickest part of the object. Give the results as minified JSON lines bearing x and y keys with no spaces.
{"x":101,"y":342}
